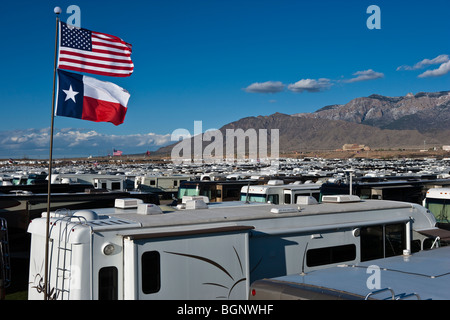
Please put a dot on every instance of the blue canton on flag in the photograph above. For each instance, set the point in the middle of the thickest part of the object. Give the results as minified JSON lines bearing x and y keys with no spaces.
{"x":75,"y":38}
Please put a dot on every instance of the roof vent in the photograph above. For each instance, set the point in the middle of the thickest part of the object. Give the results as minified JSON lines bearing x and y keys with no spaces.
{"x":275,"y":182}
{"x":284,"y":210}
{"x":340,"y":198}
{"x":306,"y":200}
{"x":148,"y":208}
{"x":185,"y":199}
{"x":127,"y":203}
{"x":196,"y":204}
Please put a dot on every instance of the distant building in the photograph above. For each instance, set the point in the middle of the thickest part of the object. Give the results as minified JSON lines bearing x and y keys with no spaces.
{"x":355,"y":147}
{"x":446,"y":148}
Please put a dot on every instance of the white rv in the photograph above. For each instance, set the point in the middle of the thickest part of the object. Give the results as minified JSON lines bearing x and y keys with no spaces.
{"x":165,"y":185}
{"x":277,"y":193}
{"x":437,"y":200}
{"x":143,"y":251}
{"x":99,"y":181}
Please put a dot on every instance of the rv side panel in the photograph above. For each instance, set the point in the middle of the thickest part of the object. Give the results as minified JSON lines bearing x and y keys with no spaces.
{"x":211,"y":266}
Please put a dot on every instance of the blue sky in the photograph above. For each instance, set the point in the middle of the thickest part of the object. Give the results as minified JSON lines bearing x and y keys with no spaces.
{"x":217,"y":61}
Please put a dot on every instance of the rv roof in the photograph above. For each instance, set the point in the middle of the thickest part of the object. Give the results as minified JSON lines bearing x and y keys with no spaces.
{"x":308,"y":186}
{"x":439,"y":193}
{"x":425,"y":273}
{"x":239,"y":211}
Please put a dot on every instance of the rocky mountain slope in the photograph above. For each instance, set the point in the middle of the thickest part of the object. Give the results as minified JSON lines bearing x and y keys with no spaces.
{"x":378,"y":122}
{"x":303,"y":134}
{"x":423,"y":111}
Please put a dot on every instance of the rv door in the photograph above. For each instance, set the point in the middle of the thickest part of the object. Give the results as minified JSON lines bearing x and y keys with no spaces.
{"x":207,"y":263}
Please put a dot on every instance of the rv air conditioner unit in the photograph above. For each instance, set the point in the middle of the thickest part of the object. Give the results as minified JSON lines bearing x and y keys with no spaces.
{"x":284,"y":210}
{"x":127,"y":203}
{"x":149,"y":208}
{"x":275,"y":182}
{"x":196,"y":204}
{"x":185,"y":199}
{"x":341,"y":198}
{"x":306,"y":200}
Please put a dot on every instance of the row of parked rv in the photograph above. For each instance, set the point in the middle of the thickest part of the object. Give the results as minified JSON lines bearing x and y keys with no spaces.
{"x":147,"y":231}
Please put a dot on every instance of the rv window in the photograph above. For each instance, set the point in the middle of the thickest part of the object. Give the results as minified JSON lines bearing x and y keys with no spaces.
{"x":371,"y":243}
{"x":115,"y":186}
{"x":187,"y":191}
{"x":382,"y":241}
{"x":427,"y":243}
{"x":273,"y":198}
{"x":329,"y":255}
{"x":152,"y":182}
{"x":395,"y":237}
{"x":151,"y":272}
{"x":107,"y":283}
{"x":287,"y":198}
{"x":253,"y":197}
{"x":415,"y":246}
{"x":439,"y":208}
{"x":316,"y":196}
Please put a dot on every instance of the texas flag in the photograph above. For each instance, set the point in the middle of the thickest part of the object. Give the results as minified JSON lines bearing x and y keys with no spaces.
{"x":86,"y":98}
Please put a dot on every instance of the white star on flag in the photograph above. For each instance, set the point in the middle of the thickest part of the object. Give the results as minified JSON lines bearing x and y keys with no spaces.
{"x":70,"y":94}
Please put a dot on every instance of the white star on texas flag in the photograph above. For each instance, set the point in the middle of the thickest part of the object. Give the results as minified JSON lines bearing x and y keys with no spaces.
{"x":70,"y":94}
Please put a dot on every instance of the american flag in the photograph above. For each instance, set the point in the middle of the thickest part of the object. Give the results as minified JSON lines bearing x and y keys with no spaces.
{"x":117,"y":152}
{"x":83,"y":50}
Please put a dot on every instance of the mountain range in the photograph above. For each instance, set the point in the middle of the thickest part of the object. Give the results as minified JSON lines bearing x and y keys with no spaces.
{"x":423,"y":111}
{"x":375,"y":121}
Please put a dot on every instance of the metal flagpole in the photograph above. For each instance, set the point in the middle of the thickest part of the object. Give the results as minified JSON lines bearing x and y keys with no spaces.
{"x":57,"y":11}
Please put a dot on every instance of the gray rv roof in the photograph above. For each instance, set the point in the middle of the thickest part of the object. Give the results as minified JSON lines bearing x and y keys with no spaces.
{"x":239,"y":211}
{"x":424,"y":275}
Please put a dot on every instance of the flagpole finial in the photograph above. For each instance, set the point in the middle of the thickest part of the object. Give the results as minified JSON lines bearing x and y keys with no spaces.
{"x":57,"y":10}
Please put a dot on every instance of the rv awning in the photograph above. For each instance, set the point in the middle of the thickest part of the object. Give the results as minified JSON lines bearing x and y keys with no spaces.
{"x":436,"y":232}
{"x":190,"y":232}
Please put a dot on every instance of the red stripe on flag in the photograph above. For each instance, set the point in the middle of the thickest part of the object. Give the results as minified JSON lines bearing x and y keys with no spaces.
{"x":103,"y":111}
{"x":113,"y":53}
{"x":110,"y":45}
{"x":90,"y":56}
{"x":93,"y":64}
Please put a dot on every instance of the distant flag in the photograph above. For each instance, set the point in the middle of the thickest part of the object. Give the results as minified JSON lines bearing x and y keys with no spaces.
{"x":88,"y":51}
{"x":117,"y":152}
{"x":86,"y":98}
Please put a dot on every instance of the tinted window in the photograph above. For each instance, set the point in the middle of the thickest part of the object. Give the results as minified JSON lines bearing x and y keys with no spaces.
{"x":107,"y":283}
{"x":372,"y":243}
{"x":151,"y":272}
{"x":330,"y":255}
{"x":395,"y":237}
{"x":382,"y":241}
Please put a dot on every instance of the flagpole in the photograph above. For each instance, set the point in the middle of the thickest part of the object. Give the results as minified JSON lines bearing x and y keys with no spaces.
{"x":57,"y":11}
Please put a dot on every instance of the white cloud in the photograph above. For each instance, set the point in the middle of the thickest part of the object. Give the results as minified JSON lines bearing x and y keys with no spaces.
{"x":365,"y":75}
{"x":265,"y":87}
{"x":310,"y":85}
{"x":443,"y":58}
{"x":70,"y":142}
{"x":443,"y":69}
